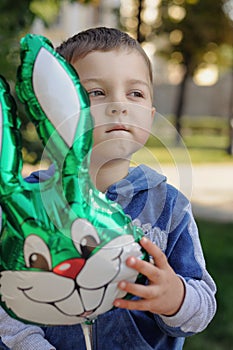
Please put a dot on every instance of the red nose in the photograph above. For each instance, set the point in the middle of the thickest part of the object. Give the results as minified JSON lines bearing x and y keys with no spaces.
{"x":69,"y":268}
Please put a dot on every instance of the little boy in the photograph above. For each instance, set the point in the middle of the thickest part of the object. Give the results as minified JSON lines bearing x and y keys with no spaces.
{"x":179,"y":298}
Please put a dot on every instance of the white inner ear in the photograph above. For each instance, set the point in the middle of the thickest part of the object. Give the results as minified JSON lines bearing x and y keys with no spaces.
{"x":56,"y":94}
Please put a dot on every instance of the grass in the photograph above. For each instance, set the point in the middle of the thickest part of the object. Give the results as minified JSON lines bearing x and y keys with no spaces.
{"x":217,"y":242}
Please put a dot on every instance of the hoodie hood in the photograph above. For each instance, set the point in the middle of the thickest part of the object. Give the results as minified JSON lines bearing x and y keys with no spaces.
{"x":138,"y":179}
{"x":141,"y":177}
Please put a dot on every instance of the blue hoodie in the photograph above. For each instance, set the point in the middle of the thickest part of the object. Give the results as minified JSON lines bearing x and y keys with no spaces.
{"x":165,"y":216}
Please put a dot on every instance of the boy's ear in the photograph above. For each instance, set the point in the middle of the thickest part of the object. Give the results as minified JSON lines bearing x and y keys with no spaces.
{"x":153,"y":111}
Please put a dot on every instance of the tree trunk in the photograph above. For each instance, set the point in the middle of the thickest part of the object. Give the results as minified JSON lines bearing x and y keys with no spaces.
{"x":230,"y":145}
{"x":180,"y":106}
{"x":139,"y":34}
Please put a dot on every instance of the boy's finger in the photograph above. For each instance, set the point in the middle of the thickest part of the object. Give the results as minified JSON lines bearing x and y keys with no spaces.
{"x":160,"y":260}
{"x":145,"y":268}
{"x":142,"y":305}
{"x":139,"y":290}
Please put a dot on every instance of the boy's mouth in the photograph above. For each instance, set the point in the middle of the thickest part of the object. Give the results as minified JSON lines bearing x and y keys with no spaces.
{"x":117,"y":127}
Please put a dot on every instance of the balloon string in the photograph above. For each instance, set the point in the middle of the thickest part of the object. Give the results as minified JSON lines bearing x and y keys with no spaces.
{"x":87,"y":335}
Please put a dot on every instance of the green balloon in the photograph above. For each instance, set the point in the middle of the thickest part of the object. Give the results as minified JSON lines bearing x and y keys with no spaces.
{"x":63,"y":244}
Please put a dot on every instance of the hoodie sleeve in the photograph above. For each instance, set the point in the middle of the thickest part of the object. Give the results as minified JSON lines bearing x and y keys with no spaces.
{"x":185,"y":255}
{"x":165,"y":216}
{"x":17,"y":335}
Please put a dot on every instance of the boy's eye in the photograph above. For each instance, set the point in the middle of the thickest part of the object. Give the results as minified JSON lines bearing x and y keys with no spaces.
{"x":95,"y":93}
{"x":136,"y":94}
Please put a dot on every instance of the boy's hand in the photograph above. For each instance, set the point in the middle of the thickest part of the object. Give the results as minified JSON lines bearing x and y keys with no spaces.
{"x":165,"y":291}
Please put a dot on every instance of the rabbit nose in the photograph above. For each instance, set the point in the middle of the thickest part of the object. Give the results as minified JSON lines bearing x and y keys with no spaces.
{"x":70,"y":268}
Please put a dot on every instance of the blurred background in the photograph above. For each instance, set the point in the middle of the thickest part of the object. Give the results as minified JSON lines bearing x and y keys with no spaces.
{"x":190,"y":44}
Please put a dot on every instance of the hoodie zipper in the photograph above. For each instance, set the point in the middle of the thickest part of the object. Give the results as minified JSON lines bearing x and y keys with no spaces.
{"x":88,"y":330}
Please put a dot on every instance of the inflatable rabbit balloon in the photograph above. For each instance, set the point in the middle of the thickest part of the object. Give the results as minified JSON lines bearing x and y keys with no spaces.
{"x":63,"y":244}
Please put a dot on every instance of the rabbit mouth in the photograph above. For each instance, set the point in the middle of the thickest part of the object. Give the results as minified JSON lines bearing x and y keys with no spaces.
{"x":75,"y":301}
{"x":79,"y":305}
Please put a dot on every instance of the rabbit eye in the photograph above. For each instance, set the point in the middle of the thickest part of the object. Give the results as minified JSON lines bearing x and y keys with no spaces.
{"x":87,"y":245}
{"x":85,"y":237}
{"x":38,"y":261}
{"x":36,"y":253}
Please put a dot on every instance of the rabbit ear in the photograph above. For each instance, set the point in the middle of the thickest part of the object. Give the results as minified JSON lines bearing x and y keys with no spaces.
{"x":51,"y":90}
{"x":10,"y":141}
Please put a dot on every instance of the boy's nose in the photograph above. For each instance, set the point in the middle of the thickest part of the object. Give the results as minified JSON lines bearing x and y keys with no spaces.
{"x":116,"y":109}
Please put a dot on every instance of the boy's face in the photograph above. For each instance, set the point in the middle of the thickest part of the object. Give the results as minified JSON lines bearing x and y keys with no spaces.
{"x":119,"y":87}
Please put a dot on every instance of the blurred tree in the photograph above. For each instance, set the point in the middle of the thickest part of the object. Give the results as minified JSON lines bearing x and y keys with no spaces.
{"x":16,"y":17}
{"x":189,"y":34}
{"x":230,"y":144}
{"x":196,"y":32}
{"x":140,"y":36}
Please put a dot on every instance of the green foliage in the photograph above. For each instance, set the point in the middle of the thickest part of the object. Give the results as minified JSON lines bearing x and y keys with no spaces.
{"x":196,"y":33}
{"x":47,"y":10}
{"x":193,"y":28}
{"x":15,"y":19}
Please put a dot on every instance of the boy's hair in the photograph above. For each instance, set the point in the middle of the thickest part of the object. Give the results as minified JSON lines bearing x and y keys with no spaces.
{"x":100,"y":39}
